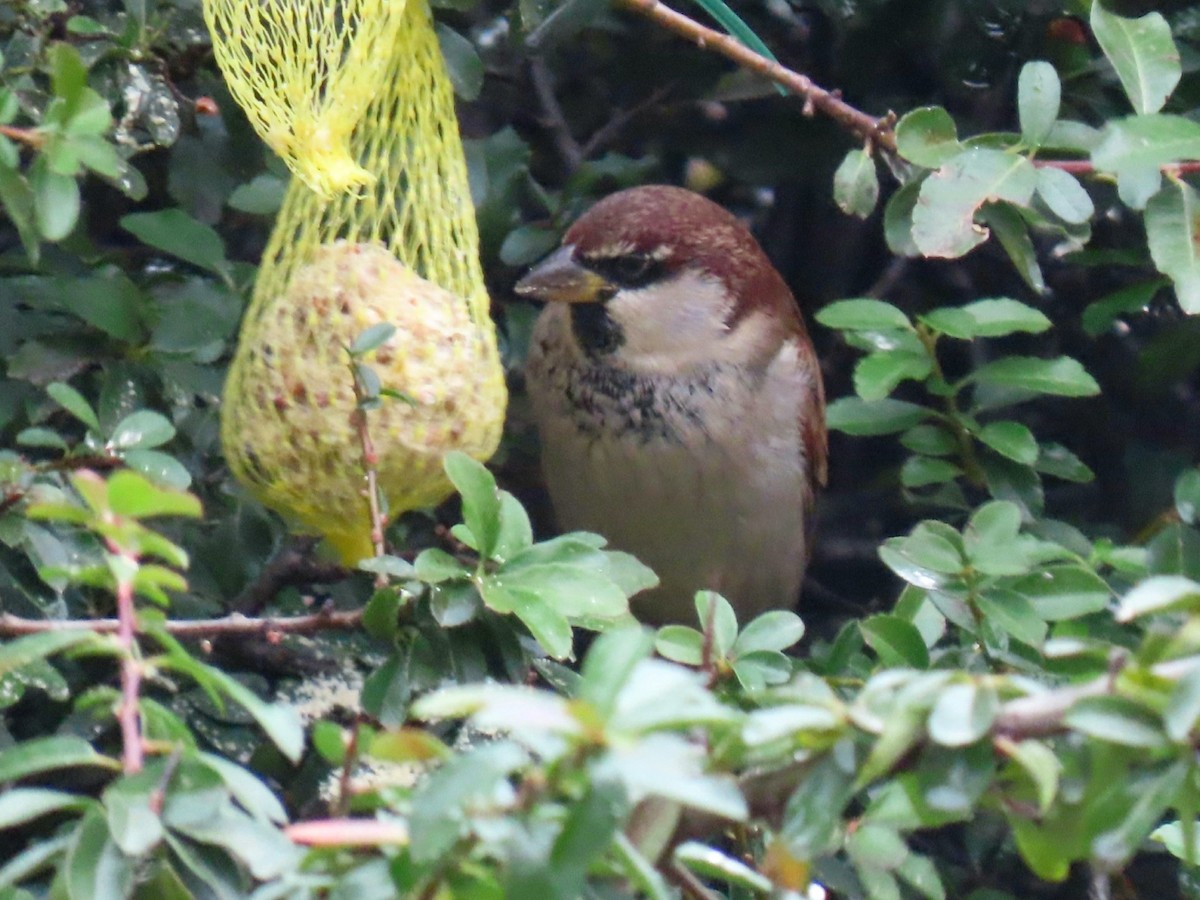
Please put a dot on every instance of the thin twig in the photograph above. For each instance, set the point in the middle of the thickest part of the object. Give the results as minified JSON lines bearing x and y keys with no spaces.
{"x":816,"y":98}
{"x":1087,"y":167}
{"x":1041,"y":715}
{"x":132,"y":752}
{"x":349,"y":761}
{"x":691,"y":886}
{"x":31,"y":137}
{"x":607,"y":132}
{"x":554,"y":118}
{"x":15,"y":626}
{"x":291,"y":567}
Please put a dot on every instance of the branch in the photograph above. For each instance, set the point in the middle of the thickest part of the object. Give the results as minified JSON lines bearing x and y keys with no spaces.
{"x":31,"y":137}
{"x":553,"y":118}
{"x":1086,"y":167}
{"x":871,"y":130}
{"x":290,"y":567}
{"x":132,"y":751}
{"x":236,"y":624}
{"x":1042,"y":714}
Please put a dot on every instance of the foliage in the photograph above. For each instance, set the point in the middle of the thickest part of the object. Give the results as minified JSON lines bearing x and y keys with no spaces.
{"x":999,"y":696}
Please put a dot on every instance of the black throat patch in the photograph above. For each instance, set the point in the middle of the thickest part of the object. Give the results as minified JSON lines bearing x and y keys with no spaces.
{"x":595,"y":330}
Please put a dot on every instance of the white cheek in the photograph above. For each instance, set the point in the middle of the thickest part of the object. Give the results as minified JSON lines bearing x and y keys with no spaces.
{"x":671,"y":323}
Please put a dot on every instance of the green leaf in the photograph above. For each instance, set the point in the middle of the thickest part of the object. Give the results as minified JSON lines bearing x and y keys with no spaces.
{"x":1116,"y":720}
{"x":680,"y":644}
{"x":1057,"y":460}
{"x":1183,"y":707}
{"x":897,"y":642}
{"x":1042,"y":767}
{"x":609,"y":663}
{"x":373,"y":338}
{"x":17,"y":199}
{"x":176,"y":233}
{"x":20,"y":652}
{"x":710,"y":863}
{"x":898,"y":216}
{"x":928,"y":137}
{"x":929,"y":440}
{"x":1064,"y":195}
{"x":1171,"y":216}
{"x":94,"y":865}
{"x":1008,"y":224}
{"x":1063,"y":377}
{"x":49,"y":754}
{"x":1143,"y":144}
{"x":944,"y":217}
{"x":922,"y":471}
{"x":56,"y":202}
{"x":774,"y":630}
{"x":1187,"y":495}
{"x":1011,"y":439}
{"x":712,"y":608}
{"x":434,"y":565}
{"x":480,"y":499}
{"x":549,"y":627}
{"x":131,"y":494}
{"x":280,"y":723}
{"x":463,"y":64}
{"x":1143,"y":54}
{"x":441,"y":801}
{"x":143,"y":429}
{"x":878,"y":374}
{"x":855,"y":416}
{"x":1135,"y":298}
{"x":1038,"y":96}
{"x":856,"y":184}
{"x":129,"y":808}
{"x":963,"y":713}
{"x":160,"y":468}
{"x":68,"y":75}
{"x":1159,"y":594}
{"x":261,"y":196}
{"x":515,"y":533}
{"x":1013,"y":613}
{"x":42,"y":438}
{"x":21,"y":805}
{"x":1064,"y":592}
{"x":74,"y":403}
{"x":987,"y":318}
{"x":863,"y":315}
{"x":573,"y":591}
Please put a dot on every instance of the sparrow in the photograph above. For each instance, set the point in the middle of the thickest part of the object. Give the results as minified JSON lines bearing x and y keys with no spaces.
{"x":678,"y":400}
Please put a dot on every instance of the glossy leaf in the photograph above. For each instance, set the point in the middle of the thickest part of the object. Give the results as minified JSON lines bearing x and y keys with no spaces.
{"x":1038,"y":95}
{"x":1143,"y":54}
{"x":944,"y":217}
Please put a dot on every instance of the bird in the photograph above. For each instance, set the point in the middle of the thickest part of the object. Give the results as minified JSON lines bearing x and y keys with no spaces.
{"x":678,"y":400}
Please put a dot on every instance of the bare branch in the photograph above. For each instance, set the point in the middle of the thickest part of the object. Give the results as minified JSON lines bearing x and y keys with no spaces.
{"x":816,"y":98}
{"x":236,"y":624}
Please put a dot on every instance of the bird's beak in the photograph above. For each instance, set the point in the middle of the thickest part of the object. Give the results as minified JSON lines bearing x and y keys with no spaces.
{"x":560,"y":278}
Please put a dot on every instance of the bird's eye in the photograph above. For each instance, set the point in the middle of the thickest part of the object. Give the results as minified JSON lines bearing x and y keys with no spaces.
{"x":629,"y":270}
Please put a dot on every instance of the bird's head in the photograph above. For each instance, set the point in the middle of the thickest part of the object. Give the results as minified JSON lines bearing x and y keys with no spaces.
{"x":661,"y":280}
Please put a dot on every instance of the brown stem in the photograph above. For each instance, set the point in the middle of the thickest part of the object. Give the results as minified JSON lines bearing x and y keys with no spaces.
{"x":816,"y":98}
{"x":291,"y":566}
{"x":692,"y":887}
{"x":555,"y":120}
{"x":131,"y":678}
{"x":14,"y":626}
{"x":349,"y":761}
{"x":31,"y":137}
{"x":1086,"y":167}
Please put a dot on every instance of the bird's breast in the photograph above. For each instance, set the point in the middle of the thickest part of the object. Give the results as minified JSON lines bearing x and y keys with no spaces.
{"x":699,"y":476}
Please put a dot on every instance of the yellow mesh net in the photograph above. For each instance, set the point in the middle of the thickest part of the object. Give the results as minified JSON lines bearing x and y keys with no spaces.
{"x":304,"y":72}
{"x":401,"y":248}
